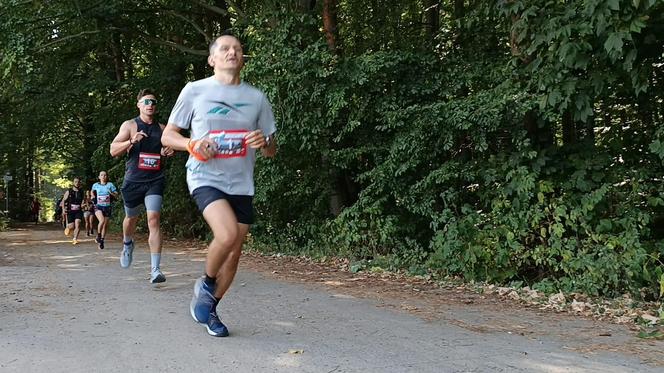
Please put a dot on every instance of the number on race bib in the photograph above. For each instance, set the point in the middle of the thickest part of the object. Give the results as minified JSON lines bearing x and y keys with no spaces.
{"x":230,"y":143}
{"x":149,"y":161}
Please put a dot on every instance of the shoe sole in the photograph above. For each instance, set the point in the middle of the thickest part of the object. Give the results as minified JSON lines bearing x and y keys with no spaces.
{"x":158,"y":279}
{"x":212,"y":333}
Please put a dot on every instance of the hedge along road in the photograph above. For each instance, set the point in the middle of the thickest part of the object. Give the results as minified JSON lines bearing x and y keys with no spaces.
{"x":67,"y":308}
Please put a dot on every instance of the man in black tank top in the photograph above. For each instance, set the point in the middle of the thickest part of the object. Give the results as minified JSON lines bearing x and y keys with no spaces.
{"x":72,"y":200}
{"x":140,"y":139}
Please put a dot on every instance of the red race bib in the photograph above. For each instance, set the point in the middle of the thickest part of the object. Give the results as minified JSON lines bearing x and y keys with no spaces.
{"x":149,"y":161}
{"x":230,"y":143}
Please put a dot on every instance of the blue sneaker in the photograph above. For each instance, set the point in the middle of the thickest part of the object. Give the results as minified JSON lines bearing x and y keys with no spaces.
{"x":203,"y":302}
{"x":126,"y":255}
{"x":215,"y":327}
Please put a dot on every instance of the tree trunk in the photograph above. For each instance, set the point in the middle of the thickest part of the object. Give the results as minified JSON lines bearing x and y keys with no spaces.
{"x":330,"y":24}
{"x":433,"y":18}
{"x":540,"y":134}
{"x":569,"y":128}
{"x":118,"y":59}
{"x":459,"y":10}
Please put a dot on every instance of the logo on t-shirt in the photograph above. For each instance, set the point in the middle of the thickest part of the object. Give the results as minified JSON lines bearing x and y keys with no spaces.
{"x":230,"y":143}
{"x":224,"y":108}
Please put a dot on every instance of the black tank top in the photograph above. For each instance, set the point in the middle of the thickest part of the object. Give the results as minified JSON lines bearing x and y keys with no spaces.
{"x":145,"y":162}
{"x":74,"y":200}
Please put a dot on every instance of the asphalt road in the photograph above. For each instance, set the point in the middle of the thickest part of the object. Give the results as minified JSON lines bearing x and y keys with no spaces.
{"x":67,"y":308}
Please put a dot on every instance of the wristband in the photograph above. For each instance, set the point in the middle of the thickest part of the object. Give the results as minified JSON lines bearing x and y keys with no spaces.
{"x":190,"y":148}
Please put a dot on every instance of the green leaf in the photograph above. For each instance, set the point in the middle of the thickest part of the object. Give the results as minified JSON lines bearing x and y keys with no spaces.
{"x":613,"y":4}
{"x":614,"y":42}
{"x":655,"y":334}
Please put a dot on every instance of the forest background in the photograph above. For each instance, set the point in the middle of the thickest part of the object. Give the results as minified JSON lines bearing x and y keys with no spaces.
{"x":514,"y":142}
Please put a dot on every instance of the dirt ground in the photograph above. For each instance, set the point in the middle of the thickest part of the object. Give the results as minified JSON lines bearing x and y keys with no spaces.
{"x":480,"y":314}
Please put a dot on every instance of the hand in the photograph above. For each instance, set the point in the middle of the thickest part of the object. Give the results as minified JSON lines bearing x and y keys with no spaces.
{"x":255,"y":139}
{"x":167,"y":151}
{"x":138,"y":136}
{"x":204,"y":149}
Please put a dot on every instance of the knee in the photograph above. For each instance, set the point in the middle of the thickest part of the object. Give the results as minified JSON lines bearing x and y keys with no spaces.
{"x":227,"y":240}
{"x":153,"y":222}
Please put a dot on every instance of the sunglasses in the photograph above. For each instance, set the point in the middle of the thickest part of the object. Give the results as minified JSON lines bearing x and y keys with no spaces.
{"x":149,"y":101}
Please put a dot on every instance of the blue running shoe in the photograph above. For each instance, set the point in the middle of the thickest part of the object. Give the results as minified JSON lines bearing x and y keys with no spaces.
{"x":203,"y":302}
{"x":126,"y":255}
{"x":156,"y":276}
{"x":215,"y":327}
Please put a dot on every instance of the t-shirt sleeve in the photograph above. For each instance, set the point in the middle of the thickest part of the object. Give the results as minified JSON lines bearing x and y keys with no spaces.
{"x":183,"y":110}
{"x":266,"y":117}
{"x":112,"y":188}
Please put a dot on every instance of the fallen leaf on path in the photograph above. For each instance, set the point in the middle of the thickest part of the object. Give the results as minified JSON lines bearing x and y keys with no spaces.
{"x":557,"y":298}
{"x":650,"y":318}
{"x":579,"y":306}
{"x":295,"y":352}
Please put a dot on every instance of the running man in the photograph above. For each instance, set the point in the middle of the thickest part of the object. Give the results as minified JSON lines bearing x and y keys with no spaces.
{"x":144,"y":180}
{"x":72,"y":201}
{"x":102,"y":192}
{"x":228,"y":120}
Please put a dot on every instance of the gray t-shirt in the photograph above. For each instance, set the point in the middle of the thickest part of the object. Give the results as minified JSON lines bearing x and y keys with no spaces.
{"x":226,"y":113}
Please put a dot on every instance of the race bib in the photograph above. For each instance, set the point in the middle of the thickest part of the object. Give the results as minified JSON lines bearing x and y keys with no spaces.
{"x":149,"y":161}
{"x":104,"y":200}
{"x":74,"y":207}
{"x":230,"y":143}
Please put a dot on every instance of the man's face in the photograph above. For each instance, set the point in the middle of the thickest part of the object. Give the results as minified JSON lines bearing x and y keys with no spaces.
{"x":226,"y":54}
{"x":147,"y":105}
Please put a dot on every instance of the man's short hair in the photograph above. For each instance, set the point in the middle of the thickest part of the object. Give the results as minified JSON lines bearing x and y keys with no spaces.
{"x":144,"y":92}
{"x":213,"y":43}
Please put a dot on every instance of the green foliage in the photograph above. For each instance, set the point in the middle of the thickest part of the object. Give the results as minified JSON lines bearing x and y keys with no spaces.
{"x":517,"y":141}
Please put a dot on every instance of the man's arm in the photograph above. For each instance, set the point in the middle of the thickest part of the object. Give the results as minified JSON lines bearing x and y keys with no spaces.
{"x":166,"y":151}
{"x":65,"y":197}
{"x":124,"y":140}
{"x":257,"y":140}
{"x":271,"y":149}
{"x":204,"y":149}
{"x":171,"y":138}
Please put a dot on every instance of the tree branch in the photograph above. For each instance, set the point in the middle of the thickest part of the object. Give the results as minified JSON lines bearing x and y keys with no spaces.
{"x":198,"y":28}
{"x":221,"y":11}
{"x":64,"y":38}
{"x":168,"y":43}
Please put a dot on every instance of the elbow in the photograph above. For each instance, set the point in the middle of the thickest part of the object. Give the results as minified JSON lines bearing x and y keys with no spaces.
{"x":165,"y":138}
{"x":114,"y":153}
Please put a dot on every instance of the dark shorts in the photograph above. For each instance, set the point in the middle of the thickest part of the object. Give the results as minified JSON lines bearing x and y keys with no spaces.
{"x":74,"y":215}
{"x":105,"y":210}
{"x":242,"y":205}
{"x":134,"y":193}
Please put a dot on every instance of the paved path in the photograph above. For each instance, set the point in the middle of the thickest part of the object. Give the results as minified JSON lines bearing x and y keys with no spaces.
{"x":67,"y":308}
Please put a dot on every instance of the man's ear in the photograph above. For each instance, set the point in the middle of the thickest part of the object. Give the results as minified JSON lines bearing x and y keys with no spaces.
{"x":210,"y":61}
